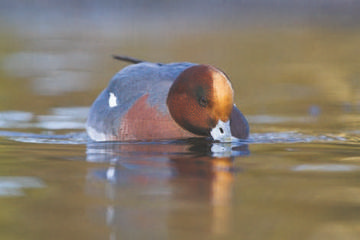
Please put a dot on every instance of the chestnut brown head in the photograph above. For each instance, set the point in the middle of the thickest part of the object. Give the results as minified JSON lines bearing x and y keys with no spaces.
{"x":200,"y":99}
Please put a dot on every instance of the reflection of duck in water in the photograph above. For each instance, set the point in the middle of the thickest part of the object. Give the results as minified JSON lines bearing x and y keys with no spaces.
{"x":153,"y":187}
{"x":147,"y":101}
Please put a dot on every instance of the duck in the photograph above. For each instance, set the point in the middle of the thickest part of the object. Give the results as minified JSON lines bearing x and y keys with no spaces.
{"x":148,"y":101}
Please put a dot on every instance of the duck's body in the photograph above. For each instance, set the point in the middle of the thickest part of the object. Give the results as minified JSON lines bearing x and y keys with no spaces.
{"x":138,"y":104}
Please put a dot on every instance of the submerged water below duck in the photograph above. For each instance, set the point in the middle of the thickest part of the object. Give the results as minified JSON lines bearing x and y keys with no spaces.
{"x":295,"y":178}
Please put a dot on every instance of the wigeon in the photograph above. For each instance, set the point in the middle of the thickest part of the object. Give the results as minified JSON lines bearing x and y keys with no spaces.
{"x":153,"y":101}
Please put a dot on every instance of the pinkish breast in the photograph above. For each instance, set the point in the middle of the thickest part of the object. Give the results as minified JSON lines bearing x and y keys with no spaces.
{"x":145,"y":122}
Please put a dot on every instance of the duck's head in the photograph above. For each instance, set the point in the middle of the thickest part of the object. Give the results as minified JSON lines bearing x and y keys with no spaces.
{"x":201,"y":101}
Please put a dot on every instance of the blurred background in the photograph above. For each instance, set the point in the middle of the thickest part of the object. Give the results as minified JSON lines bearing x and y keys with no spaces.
{"x":295,"y":69}
{"x":283,"y":57}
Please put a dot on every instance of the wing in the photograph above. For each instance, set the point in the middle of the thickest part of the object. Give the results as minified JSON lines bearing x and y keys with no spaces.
{"x":124,"y":89}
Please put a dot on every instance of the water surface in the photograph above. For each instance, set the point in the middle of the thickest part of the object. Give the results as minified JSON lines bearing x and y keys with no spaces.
{"x":297,"y":177}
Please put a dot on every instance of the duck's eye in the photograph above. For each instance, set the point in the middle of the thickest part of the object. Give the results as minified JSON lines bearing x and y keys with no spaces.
{"x":221,"y":130}
{"x":203,"y":101}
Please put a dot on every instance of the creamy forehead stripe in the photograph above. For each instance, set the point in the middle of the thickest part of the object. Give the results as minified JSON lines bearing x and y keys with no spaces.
{"x":220,"y":85}
{"x":223,"y":74}
{"x":223,"y":96}
{"x":112,"y":100}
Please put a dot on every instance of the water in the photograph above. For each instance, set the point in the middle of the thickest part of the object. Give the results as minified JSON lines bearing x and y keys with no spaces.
{"x":296,"y":80}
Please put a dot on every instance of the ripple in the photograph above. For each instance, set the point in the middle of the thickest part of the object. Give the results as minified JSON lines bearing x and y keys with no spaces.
{"x":13,"y":186}
{"x":294,"y":137}
{"x":219,"y":148}
{"x":13,"y":119}
{"x":325,"y":168}
{"x":52,"y":74}
{"x":58,"y":119}
{"x":74,"y":118}
{"x":267,"y":119}
{"x":48,"y":138}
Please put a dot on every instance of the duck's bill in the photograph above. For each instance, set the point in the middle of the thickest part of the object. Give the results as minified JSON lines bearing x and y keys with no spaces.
{"x":222,"y":132}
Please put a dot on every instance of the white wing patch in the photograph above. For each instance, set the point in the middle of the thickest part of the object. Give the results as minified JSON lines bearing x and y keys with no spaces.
{"x":112,"y":100}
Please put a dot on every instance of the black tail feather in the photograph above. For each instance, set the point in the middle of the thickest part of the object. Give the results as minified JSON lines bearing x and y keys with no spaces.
{"x":127,"y":59}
